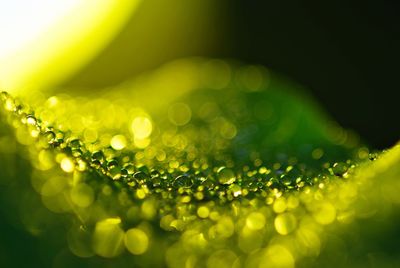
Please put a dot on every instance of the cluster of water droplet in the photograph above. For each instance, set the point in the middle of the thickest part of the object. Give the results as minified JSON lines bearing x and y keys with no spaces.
{"x":199,"y":180}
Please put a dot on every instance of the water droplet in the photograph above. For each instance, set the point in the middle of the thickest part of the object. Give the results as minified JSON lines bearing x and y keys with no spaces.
{"x":140,"y":176}
{"x":339,"y":169}
{"x":112,"y":163}
{"x":226,"y":176}
{"x":49,"y":136}
{"x":75,"y":143}
{"x":372,"y":156}
{"x":236,"y":190}
{"x":31,"y":120}
{"x":129,"y":168}
{"x":76,"y":152}
{"x":98,"y":156}
{"x":156,"y":181}
{"x":183,"y":181}
{"x":124,"y":172}
{"x":4,"y":95}
{"x":9,"y":105}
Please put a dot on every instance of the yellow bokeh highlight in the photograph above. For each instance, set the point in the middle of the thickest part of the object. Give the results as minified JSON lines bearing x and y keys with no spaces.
{"x":277,"y":256}
{"x":67,"y":165}
{"x":324,"y":213}
{"x":280,"y":205}
{"x":108,"y":237}
{"x":136,"y":241}
{"x":285,"y":223}
{"x":255,"y":221}
{"x":141,"y":143}
{"x":118,"y":142}
{"x":82,"y":195}
{"x":53,"y":186}
{"x":141,"y":127}
{"x":203,"y":212}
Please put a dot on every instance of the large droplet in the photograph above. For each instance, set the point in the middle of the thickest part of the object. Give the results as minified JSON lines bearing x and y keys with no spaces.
{"x":226,"y":175}
{"x":339,"y":168}
{"x":98,"y":156}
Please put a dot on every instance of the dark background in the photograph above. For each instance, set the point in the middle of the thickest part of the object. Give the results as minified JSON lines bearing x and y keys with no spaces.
{"x":345,"y":52}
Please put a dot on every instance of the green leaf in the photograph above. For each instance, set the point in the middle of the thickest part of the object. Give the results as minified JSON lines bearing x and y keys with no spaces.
{"x":199,"y":163}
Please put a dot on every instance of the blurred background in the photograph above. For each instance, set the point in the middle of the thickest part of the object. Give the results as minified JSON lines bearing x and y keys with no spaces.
{"x":344,"y":52}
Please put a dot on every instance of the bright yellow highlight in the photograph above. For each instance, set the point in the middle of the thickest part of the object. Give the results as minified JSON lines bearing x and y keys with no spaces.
{"x":118,"y":142}
{"x":280,"y":205}
{"x":67,"y":165}
{"x":140,"y":194}
{"x":141,"y":143}
{"x":203,"y":212}
{"x":66,"y":43}
{"x":141,"y":127}
{"x":108,"y":238}
{"x":136,"y":241}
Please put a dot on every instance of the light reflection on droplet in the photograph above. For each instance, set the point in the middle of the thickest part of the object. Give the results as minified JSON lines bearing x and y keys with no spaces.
{"x":67,"y":165}
{"x":118,"y":142}
{"x":226,"y":175}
